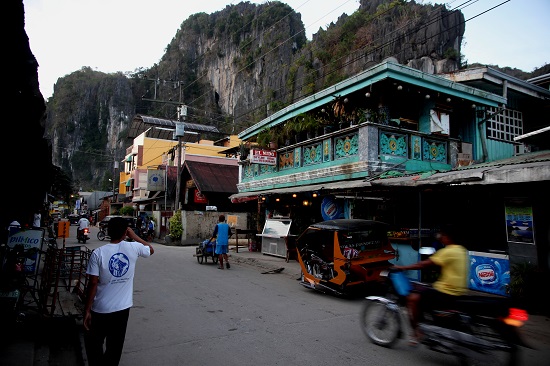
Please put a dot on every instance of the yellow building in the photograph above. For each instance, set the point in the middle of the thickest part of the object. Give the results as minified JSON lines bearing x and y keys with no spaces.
{"x":146,"y":168}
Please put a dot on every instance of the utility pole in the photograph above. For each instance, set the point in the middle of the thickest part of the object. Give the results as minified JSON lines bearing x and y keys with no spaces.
{"x":180,"y":131}
{"x":115,"y":167}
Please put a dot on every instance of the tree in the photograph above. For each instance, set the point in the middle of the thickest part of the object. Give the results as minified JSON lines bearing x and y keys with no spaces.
{"x":176,"y":228}
{"x":127,"y":211}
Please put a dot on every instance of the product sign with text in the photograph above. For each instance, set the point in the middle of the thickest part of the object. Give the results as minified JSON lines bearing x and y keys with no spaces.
{"x":267,"y":157}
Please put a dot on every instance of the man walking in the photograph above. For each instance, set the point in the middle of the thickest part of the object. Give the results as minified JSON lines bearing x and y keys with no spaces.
{"x":110,"y":292}
{"x":222,"y":232}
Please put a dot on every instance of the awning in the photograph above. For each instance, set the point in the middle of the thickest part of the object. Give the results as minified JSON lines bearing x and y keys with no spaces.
{"x":129,"y":182}
{"x":342,"y":186}
{"x":212,"y":177}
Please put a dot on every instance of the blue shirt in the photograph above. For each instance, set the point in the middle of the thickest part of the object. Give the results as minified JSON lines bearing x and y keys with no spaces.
{"x":222,"y":232}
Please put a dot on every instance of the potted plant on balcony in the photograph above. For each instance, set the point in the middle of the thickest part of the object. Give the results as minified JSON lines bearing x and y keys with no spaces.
{"x":244,"y":150}
{"x":263,"y":138}
{"x":310,"y":125}
{"x":368,"y":115}
{"x":289,"y":130}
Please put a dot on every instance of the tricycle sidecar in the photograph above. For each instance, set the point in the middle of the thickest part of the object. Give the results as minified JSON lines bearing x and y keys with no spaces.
{"x":204,"y":251}
{"x":344,"y":256}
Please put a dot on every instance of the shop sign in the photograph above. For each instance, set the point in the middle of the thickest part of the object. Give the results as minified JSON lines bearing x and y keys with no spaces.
{"x":155,"y":180}
{"x":31,"y":241}
{"x":260,"y":156}
{"x":199,"y":197}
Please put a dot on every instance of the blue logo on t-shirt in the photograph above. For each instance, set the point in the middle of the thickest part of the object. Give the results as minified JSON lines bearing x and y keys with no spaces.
{"x":119,"y":264}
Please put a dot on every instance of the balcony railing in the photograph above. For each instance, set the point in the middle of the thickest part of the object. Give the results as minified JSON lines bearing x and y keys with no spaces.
{"x":344,"y":146}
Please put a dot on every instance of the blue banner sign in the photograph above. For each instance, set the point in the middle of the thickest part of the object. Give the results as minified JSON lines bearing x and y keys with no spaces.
{"x":489,"y":273}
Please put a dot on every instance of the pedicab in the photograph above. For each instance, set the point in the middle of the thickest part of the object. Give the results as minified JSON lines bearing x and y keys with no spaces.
{"x":344,"y":256}
{"x":206,"y":250}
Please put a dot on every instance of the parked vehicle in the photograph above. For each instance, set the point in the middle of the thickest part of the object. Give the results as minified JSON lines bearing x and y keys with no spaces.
{"x":102,"y":233}
{"x":478,"y":329}
{"x":343,"y":256}
{"x":73,"y":219}
{"x":131,"y":221}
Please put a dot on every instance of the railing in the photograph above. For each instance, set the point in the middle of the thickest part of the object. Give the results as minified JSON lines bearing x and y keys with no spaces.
{"x":344,"y":145}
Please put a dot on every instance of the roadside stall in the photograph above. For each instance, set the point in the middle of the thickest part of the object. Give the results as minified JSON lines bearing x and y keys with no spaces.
{"x":276,"y":237}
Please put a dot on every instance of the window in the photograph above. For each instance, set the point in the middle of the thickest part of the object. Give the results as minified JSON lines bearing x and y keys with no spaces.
{"x":504,"y":126}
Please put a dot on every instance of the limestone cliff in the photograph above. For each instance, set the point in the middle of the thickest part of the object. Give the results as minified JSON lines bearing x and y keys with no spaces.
{"x":236,"y":66}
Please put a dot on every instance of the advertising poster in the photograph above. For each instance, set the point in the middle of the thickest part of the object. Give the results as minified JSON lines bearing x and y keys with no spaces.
{"x":489,"y":273}
{"x":519,"y":221}
{"x":331,"y":209}
{"x":31,"y":240}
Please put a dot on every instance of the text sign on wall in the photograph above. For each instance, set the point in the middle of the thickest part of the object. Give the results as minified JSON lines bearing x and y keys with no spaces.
{"x":267,"y":157}
{"x":155,"y":180}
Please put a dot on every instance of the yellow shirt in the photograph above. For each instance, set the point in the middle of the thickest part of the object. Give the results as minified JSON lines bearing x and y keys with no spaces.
{"x":453,"y":260}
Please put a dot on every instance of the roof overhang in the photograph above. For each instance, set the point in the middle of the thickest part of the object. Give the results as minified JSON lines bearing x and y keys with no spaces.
{"x":211,"y":177}
{"x":342,"y":186}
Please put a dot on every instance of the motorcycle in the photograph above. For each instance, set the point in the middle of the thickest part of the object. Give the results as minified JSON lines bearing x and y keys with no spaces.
{"x":478,"y":328}
{"x":83,"y":235}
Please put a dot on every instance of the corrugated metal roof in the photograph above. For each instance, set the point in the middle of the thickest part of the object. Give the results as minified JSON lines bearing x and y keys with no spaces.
{"x":211,"y":177}
{"x":518,"y":169}
{"x":166,"y":128}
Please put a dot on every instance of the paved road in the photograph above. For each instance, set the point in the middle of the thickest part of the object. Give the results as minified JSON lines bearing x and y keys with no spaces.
{"x":193,"y":314}
{"x":186,"y":313}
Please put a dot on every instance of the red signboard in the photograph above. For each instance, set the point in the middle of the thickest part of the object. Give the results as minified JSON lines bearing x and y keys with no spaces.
{"x":267,"y":157}
{"x":199,"y":197}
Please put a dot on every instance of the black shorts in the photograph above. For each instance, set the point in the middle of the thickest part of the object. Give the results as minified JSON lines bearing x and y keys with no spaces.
{"x":433,"y":299}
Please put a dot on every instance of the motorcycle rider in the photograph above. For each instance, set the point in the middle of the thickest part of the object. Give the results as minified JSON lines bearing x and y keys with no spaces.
{"x":83,"y":223}
{"x":453,"y":262}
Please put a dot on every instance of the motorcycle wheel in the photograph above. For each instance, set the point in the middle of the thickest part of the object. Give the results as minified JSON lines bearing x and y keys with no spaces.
{"x":215,"y":259}
{"x":200,"y":258}
{"x":380,"y":323}
{"x":101,"y":235}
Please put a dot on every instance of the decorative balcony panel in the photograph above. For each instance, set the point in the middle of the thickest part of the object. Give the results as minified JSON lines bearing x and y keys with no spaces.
{"x":248,"y":171}
{"x":286,"y":160}
{"x":266,"y":169}
{"x":313,"y":154}
{"x":416,"y":147}
{"x":393,"y":144}
{"x":433,"y":150}
{"x":297,"y":157}
{"x":346,"y":146}
{"x":327,"y":150}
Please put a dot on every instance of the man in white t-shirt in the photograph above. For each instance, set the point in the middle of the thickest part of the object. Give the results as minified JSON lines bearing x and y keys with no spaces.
{"x":83,"y":223}
{"x":110,"y":292}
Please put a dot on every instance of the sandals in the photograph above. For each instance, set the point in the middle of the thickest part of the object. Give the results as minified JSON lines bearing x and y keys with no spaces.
{"x":220,"y":267}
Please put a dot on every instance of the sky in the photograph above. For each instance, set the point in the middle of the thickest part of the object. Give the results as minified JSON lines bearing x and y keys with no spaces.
{"x":124,"y":35}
